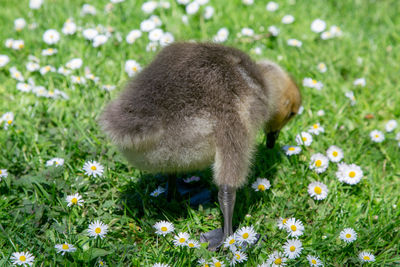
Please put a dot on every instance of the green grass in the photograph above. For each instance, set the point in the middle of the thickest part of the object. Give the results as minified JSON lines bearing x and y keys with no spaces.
{"x":33,"y":212}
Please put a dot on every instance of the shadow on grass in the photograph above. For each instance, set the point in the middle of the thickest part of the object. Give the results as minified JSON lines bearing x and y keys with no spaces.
{"x":135,"y":196}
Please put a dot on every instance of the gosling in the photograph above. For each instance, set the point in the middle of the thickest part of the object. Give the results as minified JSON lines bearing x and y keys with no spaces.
{"x":201,"y":104}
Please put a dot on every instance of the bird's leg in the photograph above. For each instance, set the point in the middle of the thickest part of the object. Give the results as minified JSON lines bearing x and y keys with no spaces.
{"x":226,"y":199}
{"x":171,"y":192}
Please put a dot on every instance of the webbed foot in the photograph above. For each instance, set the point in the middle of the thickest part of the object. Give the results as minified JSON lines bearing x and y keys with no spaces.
{"x":215,"y":238}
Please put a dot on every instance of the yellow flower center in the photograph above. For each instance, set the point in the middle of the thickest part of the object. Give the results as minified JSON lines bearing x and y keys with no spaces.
{"x":50,"y":50}
{"x":284,"y":221}
{"x":348,"y":235}
{"x":318,"y":163}
{"x":352,"y":174}
{"x":367,"y":258}
{"x":238,"y":256}
{"x":21,"y":46}
{"x":164,"y":229}
{"x":93,"y":168}
{"x":231,"y":241}
{"x":101,"y":263}
{"x":317,"y":190}
{"x":17,"y":74}
{"x":261,"y":187}
{"x":218,"y":264}
{"x":181,"y":240}
{"x":191,"y":245}
{"x":65,"y":246}
{"x":206,"y":265}
{"x":315,"y":126}
{"x":292,"y":248}
{"x":304,"y":138}
{"x":334,"y":153}
{"x":78,"y":79}
{"x":377,"y":135}
{"x":278,"y":261}
{"x":291,"y":148}
{"x":314,"y":81}
{"x":56,"y":162}
{"x":97,"y":230}
{"x":293,"y":227}
{"x":0,"y":172}
{"x":74,"y":200}
{"x":134,"y":68}
{"x":313,"y":261}
{"x":23,"y":258}
{"x":9,"y":121}
{"x":245,"y":235}
{"x":47,"y":68}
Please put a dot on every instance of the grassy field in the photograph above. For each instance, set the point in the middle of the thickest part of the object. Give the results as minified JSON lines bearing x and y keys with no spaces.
{"x":34,"y":216}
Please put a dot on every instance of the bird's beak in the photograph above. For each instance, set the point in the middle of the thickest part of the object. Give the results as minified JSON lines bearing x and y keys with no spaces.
{"x":271,"y":139}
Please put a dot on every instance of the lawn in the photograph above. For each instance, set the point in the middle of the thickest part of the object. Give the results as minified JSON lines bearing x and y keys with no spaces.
{"x":50,"y":112}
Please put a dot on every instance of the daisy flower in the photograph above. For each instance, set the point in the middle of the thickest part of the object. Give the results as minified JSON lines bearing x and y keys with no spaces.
{"x":35,"y":4}
{"x":246,"y":234}
{"x":390,"y":126}
{"x":273,"y":30}
{"x":98,"y":228}
{"x":377,"y":136}
{"x":69,"y":27}
{"x":319,"y":163}
{"x":62,"y":248}
{"x":4,"y":59}
{"x":292,"y":248}
{"x":350,"y":174}
{"x":155,"y":35}
{"x":158,"y":264}
{"x":304,"y":138}
{"x":314,"y":261}
{"x":88,"y":9}
{"x":287,"y":19}
{"x":291,"y":150}
{"x":18,"y":44}
{"x":334,"y":153}
{"x":16,"y":74}
{"x":193,"y":244}
{"x":93,"y":168}
{"x":248,"y":2}
{"x":312,"y":83}
{"x":318,"y":26}
{"x":208,"y":12}
{"x":90,"y":34}
{"x":78,"y":79}
{"x":166,"y":39}
{"x":3,"y":173}
{"x":158,"y":191}
{"x":350,"y":95}
{"x":294,"y":42}
{"x":51,"y":36}
{"x":75,"y":199}
{"x":217,"y":262}
{"x":276,"y":259}
{"x":272,"y":6}
{"x":22,"y":258}
{"x":74,"y":63}
{"x":222,"y":35}
{"x":49,"y":52}
{"x":247,"y":32}
{"x":294,"y":227}
{"x":203,"y":263}
{"x":163,"y":227}
{"x":317,"y":190}
{"x":132,"y":67}
{"x":192,"y":8}
{"x":19,"y":24}
{"x":348,"y":235}
{"x":322,"y":67}
{"x":133,"y":36}
{"x":147,"y":25}
{"x":181,"y":239}
{"x":230,"y":241}
{"x":101,"y":263}
{"x":55,"y":162}
{"x":282,"y":223}
{"x":366,"y":256}
{"x":8,"y":119}
{"x":360,"y":82}
{"x":316,"y":129}
{"x":238,"y":257}
{"x":261,"y":184}
{"x":32,"y":66}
